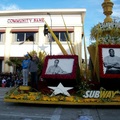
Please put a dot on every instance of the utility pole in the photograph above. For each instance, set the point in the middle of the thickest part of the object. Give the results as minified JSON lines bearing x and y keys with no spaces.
{"x":49,"y":35}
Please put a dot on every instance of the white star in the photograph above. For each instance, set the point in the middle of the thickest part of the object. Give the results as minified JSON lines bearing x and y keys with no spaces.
{"x":43,"y":47}
{"x":60,"y":89}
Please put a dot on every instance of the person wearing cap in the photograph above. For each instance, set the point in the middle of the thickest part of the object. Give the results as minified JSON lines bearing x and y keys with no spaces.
{"x":25,"y":70}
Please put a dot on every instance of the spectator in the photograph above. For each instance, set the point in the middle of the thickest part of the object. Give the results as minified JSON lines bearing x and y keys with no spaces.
{"x":3,"y":82}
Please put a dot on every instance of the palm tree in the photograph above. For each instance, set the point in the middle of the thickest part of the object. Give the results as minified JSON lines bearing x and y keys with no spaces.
{"x":14,"y":62}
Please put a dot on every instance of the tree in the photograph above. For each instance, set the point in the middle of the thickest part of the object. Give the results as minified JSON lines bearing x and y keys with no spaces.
{"x":14,"y":62}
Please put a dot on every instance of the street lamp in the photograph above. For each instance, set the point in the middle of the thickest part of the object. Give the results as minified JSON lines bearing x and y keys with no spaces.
{"x":49,"y":35}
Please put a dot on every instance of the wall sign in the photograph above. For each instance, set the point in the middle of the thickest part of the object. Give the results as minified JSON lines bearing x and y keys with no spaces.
{"x":25,"y":20}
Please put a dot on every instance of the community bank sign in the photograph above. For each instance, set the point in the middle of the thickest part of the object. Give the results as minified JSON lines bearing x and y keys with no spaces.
{"x":25,"y":20}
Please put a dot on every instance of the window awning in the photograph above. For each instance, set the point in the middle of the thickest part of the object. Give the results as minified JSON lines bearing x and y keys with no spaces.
{"x":1,"y":58}
{"x":2,"y":30}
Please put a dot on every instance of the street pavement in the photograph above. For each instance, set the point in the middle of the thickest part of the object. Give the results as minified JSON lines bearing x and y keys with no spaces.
{"x":3,"y":91}
{"x":16,"y":111}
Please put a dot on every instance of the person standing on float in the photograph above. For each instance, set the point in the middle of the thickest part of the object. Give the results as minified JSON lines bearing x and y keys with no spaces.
{"x":25,"y":70}
{"x":33,"y":69}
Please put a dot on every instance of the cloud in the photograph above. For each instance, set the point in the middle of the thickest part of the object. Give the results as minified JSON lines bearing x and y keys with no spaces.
{"x":116,"y":10}
{"x":9,"y":7}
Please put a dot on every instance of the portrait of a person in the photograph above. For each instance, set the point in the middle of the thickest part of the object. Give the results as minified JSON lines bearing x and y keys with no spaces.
{"x":55,"y":69}
{"x":112,"y":63}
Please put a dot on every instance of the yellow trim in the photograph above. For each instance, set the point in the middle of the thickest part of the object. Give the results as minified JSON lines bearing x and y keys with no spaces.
{"x":24,"y":87}
{"x":61,"y":102}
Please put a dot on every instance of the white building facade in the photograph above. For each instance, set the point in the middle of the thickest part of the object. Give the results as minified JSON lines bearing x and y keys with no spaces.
{"x":22,"y":31}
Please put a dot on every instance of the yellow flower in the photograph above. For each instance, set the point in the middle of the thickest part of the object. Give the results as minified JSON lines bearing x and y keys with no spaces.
{"x":70,"y":99}
{"x":12,"y":96}
{"x":61,"y":98}
{"x":54,"y":98}
{"x":32,"y":98}
{"x":45,"y":98}
{"x":86,"y":100}
{"x":17,"y":97}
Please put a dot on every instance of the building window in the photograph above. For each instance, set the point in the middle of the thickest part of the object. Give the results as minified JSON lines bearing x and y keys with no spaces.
{"x":1,"y":36}
{"x":24,"y":36}
{"x":63,"y":36}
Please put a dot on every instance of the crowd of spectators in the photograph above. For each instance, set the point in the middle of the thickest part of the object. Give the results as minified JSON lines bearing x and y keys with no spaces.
{"x":10,"y":79}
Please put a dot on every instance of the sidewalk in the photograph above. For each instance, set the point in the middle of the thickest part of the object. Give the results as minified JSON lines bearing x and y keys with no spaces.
{"x":3,"y":91}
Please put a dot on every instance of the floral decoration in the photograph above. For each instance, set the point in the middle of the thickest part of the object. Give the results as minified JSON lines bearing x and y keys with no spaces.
{"x":16,"y":94}
{"x":106,"y":33}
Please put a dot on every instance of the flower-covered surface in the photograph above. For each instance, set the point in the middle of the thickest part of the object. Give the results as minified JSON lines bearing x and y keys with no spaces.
{"x":102,"y":34}
{"x":105,"y":98}
{"x":106,"y":33}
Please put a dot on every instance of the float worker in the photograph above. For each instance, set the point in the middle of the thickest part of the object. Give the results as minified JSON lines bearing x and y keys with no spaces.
{"x":25,"y":71}
{"x":33,"y":69}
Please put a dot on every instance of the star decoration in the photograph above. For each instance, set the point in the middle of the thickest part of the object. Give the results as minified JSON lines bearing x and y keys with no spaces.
{"x":60,"y":89}
{"x":43,"y":47}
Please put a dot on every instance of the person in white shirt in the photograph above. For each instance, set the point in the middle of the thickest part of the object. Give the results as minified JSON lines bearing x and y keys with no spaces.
{"x":55,"y":69}
{"x":112,"y":63}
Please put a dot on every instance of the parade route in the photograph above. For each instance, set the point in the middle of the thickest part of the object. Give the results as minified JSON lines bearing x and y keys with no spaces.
{"x":23,"y":111}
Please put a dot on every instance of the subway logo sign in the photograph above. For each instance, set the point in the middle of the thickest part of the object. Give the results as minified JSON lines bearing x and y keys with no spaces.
{"x":100,"y":94}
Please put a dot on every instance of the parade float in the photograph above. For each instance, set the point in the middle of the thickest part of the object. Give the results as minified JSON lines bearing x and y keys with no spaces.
{"x":80,"y":85}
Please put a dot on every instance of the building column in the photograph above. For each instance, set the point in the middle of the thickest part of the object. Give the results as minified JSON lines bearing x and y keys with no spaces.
{"x":78,"y":42}
{"x":7,"y":47}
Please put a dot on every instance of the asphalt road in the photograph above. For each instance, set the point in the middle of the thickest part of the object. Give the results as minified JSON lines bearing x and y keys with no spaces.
{"x":18,"y":111}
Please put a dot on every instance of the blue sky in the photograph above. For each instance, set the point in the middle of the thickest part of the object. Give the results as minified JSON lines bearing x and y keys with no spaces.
{"x":94,"y":11}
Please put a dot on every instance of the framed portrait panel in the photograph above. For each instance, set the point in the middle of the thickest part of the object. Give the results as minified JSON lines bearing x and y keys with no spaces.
{"x":109,"y":61}
{"x":60,"y":67}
